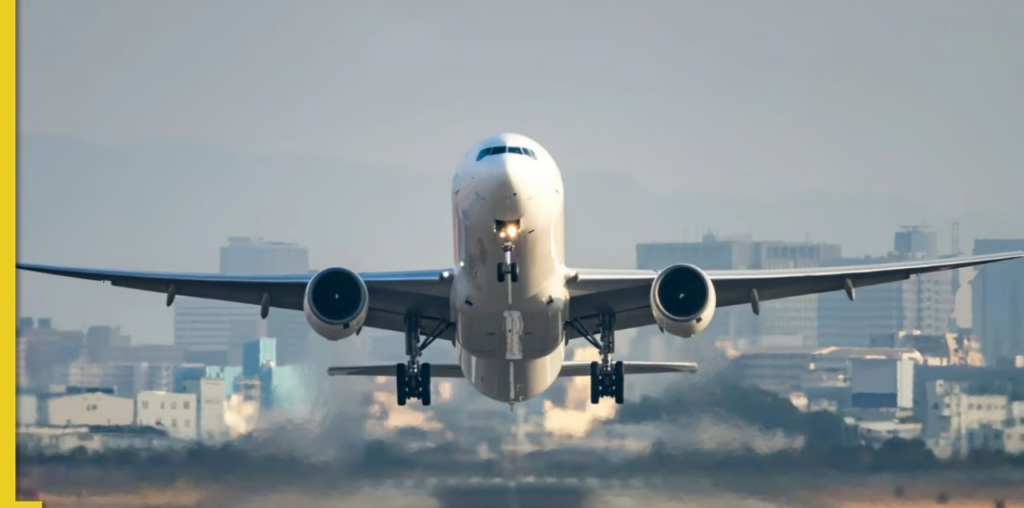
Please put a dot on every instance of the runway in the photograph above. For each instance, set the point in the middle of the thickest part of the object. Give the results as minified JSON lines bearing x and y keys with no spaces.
{"x":529,"y":492}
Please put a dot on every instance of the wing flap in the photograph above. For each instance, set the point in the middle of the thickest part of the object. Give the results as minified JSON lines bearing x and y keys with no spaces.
{"x":437,"y":370}
{"x":582,"y":369}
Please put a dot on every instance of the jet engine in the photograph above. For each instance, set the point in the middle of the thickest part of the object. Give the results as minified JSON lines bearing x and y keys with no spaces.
{"x":683,"y":300}
{"x":336,"y":303}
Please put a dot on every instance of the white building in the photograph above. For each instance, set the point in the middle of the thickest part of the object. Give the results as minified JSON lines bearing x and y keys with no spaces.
{"x":1013,"y":439}
{"x":174,"y":412}
{"x":787,"y":370}
{"x":85,"y":409}
{"x":210,"y":394}
{"x":958,"y":422}
{"x":27,"y":409}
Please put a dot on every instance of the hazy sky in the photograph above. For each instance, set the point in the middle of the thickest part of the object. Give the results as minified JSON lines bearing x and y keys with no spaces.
{"x":150,"y":131}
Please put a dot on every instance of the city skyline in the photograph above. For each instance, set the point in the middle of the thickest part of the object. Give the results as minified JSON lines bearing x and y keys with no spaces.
{"x":691,"y":119}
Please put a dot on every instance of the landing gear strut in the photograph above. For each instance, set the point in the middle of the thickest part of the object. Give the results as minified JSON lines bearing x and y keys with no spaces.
{"x":508,"y":268}
{"x":413,"y":378}
{"x":607,"y":378}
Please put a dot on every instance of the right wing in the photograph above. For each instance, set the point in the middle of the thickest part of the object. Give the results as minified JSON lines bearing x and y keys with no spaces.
{"x":626,"y":293}
{"x":392,"y":294}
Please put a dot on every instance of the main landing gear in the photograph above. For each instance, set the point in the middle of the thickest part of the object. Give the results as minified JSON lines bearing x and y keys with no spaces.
{"x":607,"y":378}
{"x":413,"y":378}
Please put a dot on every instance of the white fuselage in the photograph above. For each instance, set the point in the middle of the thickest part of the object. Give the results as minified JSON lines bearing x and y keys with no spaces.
{"x":510,"y":337}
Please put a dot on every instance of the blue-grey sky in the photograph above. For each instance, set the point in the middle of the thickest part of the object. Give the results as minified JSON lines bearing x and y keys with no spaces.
{"x":150,"y":131}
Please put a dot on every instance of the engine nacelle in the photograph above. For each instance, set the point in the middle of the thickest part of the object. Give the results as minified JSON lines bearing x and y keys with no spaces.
{"x":336,"y":303}
{"x":683,"y":300}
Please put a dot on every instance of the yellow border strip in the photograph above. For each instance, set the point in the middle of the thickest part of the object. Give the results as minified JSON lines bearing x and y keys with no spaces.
{"x":9,"y":150}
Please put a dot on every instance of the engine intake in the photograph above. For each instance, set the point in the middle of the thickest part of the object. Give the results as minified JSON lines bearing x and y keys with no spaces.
{"x":336,"y":303}
{"x":683,"y":300}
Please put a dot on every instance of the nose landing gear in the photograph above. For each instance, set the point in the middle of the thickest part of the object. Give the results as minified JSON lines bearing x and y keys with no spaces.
{"x":507,"y":233}
{"x":508,"y":269}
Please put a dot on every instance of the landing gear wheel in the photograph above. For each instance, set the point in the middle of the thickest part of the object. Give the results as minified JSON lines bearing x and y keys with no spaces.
{"x":513,"y":270}
{"x":501,"y":272}
{"x":424,"y":384}
{"x":402,"y":381}
{"x":607,"y":378}
{"x":413,"y":378}
{"x":619,"y":380}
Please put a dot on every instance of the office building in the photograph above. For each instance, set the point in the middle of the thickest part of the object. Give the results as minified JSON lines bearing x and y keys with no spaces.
{"x":923,"y":303}
{"x":882,"y":382}
{"x":212,"y":332}
{"x":47,"y":352}
{"x":788,"y":370}
{"x":184,"y":374}
{"x":959,"y":421}
{"x":175,"y":413}
{"x":258,"y":354}
{"x":916,"y":241}
{"x":99,"y":338}
{"x":89,"y":408}
{"x":209,"y":393}
{"x":997,"y":303}
{"x":126,"y":379}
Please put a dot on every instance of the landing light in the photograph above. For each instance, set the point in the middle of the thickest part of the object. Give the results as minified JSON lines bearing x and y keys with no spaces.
{"x":512,"y":231}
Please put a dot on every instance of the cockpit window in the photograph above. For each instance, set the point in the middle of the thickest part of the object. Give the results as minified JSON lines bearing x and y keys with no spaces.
{"x":496,"y":150}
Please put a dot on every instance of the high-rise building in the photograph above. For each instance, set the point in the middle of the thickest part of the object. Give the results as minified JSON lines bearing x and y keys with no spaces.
{"x":47,"y":352}
{"x":212,"y":332}
{"x":257,"y":354}
{"x":923,"y":303}
{"x":997,"y":306}
{"x":916,"y":241}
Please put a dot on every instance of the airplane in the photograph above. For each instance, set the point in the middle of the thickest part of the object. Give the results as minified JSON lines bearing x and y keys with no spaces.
{"x":509,"y":304}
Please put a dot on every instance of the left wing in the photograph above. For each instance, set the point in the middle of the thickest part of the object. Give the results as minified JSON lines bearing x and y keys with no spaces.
{"x":626,"y":293}
{"x":392,"y":294}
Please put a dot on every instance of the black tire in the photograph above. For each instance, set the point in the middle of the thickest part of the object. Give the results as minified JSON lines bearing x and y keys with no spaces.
{"x":620,"y":383}
{"x":425,"y":384}
{"x":501,"y":272}
{"x":514,"y":268}
{"x":402,"y":383}
{"x":595,"y":383}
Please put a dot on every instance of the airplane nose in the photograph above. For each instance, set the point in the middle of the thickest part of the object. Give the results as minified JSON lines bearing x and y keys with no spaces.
{"x":510,"y":185}
{"x":512,"y":174}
